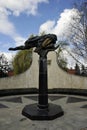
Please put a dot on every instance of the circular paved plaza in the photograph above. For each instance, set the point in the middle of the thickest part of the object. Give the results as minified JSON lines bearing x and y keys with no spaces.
{"x":74,"y":118}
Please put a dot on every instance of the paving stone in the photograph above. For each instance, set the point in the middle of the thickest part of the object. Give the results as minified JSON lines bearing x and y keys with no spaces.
{"x":35,"y":98}
{"x":3,"y":106}
{"x":84,"y":106}
{"x":75,"y":100}
{"x":13,"y":99}
{"x":53,"y":98}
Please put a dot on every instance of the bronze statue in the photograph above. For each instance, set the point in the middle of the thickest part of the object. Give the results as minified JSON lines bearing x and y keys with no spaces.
{"x":45,"y":42}
{"x":42,"y":110}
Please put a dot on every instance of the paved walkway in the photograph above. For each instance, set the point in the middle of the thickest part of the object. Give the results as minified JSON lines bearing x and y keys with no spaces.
{"x":75,"y":113}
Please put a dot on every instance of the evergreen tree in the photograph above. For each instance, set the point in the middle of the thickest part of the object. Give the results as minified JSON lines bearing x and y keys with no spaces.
{"x":77,"y":69}
{"x":22,"y":61}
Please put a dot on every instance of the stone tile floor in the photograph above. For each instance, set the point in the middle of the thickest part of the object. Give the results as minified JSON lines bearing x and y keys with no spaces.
{"x":74,"y":118}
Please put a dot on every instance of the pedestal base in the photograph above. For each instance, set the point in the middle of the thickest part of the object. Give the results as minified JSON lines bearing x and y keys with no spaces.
{"x":34,"y":113}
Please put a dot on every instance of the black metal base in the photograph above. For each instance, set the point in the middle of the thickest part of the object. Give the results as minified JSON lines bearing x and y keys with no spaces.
{"x":34,"y":113}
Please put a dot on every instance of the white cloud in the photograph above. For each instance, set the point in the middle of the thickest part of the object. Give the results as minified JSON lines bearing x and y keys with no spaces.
{"x":47,"y":26}
{"x":15,"y":7}
{"x":6,"y":27}
{"x":19,"y":40}
{"x":62,"y":27}
{"x":18,"y":6}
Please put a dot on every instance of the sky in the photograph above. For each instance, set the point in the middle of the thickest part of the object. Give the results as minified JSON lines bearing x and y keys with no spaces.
{"x":21,"y":18}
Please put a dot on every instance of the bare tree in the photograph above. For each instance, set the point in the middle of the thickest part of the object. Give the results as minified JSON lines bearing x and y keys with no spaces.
{"x":77,"y":34}
{"x":4,"y":66}
{"x":79,"y":29}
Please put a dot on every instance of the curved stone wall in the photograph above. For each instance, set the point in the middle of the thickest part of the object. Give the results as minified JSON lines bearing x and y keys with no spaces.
{"x":57,"y":78}
{"x":61,"y":79}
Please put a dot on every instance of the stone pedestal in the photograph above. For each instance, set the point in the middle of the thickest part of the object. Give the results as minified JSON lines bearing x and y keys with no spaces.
{"x":34,"y":113}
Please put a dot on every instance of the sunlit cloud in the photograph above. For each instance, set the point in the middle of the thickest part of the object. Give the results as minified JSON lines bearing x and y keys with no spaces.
{"x":16,"y":7}
{"x":19,"y":40}
{"x":47,"y":27}
{"x":6,"y":27}
{"x":63,"y":29}
{"x":62,"y":26}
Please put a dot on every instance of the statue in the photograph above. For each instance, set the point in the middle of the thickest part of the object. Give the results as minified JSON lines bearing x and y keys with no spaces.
{"x":43,"y":110}
{"x":42,"y":43}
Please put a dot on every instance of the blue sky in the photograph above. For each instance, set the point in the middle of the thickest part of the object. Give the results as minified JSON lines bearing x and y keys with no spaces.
{"x":21,"y":18}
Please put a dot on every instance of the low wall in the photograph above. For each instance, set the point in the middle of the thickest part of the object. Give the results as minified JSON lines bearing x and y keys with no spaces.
{"x":57,"y":78}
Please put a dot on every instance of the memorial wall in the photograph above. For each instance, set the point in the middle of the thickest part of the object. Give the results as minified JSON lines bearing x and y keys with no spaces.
{"x":57,"y":78}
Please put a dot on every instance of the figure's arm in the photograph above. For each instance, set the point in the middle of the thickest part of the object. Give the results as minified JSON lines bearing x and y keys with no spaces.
{"x":18,"y":48}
